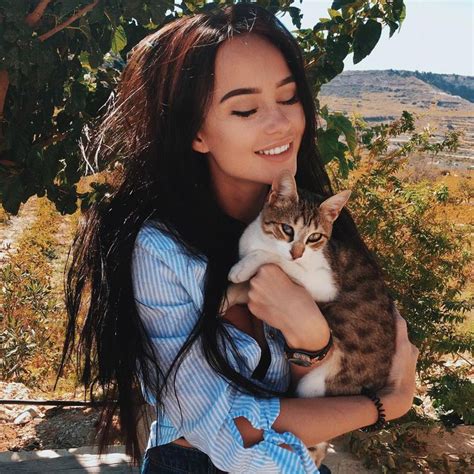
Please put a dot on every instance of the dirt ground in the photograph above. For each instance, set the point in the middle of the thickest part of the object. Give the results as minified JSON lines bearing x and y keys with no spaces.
{"x":32,"y":427}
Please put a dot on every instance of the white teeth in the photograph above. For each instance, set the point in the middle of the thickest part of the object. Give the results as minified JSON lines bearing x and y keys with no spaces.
{"x":275,"y":151}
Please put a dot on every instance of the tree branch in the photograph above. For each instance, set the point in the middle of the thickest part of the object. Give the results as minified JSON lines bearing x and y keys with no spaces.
{"x":35,"y":16}
{"x":66,"y":23}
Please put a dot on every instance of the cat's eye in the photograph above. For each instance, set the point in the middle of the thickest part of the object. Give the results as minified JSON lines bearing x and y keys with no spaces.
{"x":314,"y":237}
{"x":288,"y":230}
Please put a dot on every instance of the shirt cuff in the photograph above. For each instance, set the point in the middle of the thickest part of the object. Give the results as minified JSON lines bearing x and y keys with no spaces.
{"x":262,"y":413}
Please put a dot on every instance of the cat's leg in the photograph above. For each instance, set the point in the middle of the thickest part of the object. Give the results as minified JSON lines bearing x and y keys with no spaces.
{"x":237,"y":293}
{"x":318,"y":452}
{"x":314,"y":383}
{"x":248,"y":266}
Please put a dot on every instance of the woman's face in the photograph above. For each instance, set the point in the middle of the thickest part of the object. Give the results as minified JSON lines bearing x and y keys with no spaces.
{"x":255,"y":122}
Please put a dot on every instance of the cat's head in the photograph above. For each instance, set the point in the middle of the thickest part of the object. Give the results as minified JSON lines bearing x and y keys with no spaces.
{"x":299,"y":222}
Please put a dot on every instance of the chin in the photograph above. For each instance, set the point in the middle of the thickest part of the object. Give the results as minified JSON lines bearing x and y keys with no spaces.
{"x":288,"y":166}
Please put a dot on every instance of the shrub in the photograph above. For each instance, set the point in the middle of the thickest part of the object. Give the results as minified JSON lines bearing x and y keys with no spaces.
{"x":30,"y":314}
{"x":425,"y":258}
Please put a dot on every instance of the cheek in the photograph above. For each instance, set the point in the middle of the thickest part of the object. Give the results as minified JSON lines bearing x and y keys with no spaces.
{"x":299,"y":119}
{"x":227,"y":135}
{"x":284,"y":248}
{"x":281,"y":246}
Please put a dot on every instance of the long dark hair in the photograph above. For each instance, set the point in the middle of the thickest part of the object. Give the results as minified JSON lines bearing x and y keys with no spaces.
{"x":147,"y":132}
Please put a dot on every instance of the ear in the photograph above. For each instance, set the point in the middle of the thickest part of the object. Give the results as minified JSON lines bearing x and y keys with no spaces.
{"x":199,"y":144}
{"x":332,"y":206}
{"x":283,"y":187}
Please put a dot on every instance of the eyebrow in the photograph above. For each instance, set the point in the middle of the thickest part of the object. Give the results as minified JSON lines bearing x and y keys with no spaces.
{"x":253,"y":90}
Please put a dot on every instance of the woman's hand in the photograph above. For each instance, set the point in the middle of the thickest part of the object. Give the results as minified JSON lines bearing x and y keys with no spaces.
{"x":397,"y":397}
{"x":283,"y":304}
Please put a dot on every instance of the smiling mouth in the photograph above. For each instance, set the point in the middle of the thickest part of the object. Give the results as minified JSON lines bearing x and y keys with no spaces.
{"x":275,"y":151}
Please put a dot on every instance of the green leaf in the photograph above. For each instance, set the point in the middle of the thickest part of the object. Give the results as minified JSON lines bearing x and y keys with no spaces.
{"x":366,"y":37}
{"x":338,"y":48}
{"x":333,"y":13}
{"x":67,"y":7}
{"x":12,"y":194}
{"x":342,"y":124}
{"x":341,"y":3}
{"x":191,"y":6}
{"x":158,"y":10}
{"x":324,"y":112}
{"x":393,"y":27}
{"x":398,"y":10}
{"x":296,"y":16}
{"x":328,"y":144}
{"x":119,"y":40}
{"x":403,"y":14}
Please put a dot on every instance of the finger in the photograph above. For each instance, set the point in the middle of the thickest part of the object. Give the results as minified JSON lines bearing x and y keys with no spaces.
{"x":267,"y":268}
{"x":396,"y":312}
{"x":416,"y":351}
{"x":402,"y":328}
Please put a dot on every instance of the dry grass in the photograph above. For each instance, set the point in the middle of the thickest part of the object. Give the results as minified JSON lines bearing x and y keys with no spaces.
{"x":32,"y":304}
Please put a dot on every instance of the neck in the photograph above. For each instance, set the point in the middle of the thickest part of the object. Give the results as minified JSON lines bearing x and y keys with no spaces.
{"x":242,"y":202}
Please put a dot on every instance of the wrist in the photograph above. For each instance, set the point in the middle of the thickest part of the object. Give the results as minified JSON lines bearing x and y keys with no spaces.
{"x":308,"y":341}
{"x":378,"y":404}
{"x":395,"y":404}
{"x":308,"y":358}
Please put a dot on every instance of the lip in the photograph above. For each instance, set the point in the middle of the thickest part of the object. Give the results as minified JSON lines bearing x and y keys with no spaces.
{"x":280,"y":157}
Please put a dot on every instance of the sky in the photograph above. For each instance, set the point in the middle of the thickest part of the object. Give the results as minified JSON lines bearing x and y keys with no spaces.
{"x":436,"y":36}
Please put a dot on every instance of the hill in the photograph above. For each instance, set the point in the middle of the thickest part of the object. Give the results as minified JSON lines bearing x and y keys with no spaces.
{"x":453,"y":84}
{"x":380,"y":96}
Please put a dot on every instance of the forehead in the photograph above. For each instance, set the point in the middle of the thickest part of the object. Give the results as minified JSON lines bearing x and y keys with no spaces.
{"x":248,"y":61}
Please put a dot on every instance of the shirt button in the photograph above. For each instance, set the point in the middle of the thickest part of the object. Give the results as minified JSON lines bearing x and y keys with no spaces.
{"x":271,"y":334}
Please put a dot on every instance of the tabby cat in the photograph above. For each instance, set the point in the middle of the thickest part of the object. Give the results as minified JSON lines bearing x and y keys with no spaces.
{"x":294,"y":230}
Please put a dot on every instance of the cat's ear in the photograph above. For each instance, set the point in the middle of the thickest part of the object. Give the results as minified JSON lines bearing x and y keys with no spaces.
{"x":332,"y":206}
{"x":199,"y":144}
{"x":283,"y":187}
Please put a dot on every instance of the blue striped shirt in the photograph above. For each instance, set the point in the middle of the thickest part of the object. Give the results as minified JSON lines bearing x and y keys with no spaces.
{"x":168,"y":287}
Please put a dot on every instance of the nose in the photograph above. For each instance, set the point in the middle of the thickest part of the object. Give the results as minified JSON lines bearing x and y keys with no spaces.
{"x":297,"y":250}
{"x":277,"y":122}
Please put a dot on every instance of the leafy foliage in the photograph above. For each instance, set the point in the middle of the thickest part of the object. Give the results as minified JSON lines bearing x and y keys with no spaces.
{"x":404,"y":448}
{"x":453,"y":398}
{"x":60,"y":61}
{"x":30,"y":335}
{"x":425,"y":258}
{"x":353,"y":26}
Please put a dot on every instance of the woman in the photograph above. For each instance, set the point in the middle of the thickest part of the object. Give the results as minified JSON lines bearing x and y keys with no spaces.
{"x":209,"y":110}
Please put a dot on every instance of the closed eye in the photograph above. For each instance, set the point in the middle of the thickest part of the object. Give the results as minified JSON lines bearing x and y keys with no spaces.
{"x":245,"y":113}
{"x":248,"y":113}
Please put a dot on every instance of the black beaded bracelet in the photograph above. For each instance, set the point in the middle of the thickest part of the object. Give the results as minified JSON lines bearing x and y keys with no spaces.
{"x":381,"y":422}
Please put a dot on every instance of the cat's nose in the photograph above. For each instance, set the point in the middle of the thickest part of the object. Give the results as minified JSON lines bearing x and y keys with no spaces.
{"x":297,"y":251}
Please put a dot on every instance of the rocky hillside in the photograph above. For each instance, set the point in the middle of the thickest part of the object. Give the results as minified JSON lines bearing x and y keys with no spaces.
{"x":380,"y":96}
{"x":453,"y":84}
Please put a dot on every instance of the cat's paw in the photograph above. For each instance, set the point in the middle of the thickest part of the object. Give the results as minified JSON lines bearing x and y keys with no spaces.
{"x":241,"y":272}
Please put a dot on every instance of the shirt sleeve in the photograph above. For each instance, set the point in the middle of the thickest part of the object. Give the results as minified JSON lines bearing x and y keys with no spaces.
{"x":202,"y":405}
